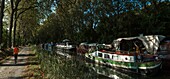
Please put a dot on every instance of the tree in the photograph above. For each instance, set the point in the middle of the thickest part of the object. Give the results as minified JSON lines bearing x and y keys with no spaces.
{"x":1,"y":19}
{"x":32,"y":18}
{"x":102,"y":21}
{"x":13,"y":9}
{"x":19,"y":7}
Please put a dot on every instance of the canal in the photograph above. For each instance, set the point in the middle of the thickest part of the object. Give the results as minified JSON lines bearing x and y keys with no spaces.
{"x":104,"y":72}
{"x":69,"y":65}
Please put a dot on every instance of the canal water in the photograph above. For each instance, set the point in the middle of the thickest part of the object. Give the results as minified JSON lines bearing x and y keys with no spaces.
{"x":104,"y":72}
{"x":112,"y":73}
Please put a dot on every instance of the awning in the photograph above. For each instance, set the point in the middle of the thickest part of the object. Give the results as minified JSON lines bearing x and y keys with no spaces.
{"x":151,"y":42}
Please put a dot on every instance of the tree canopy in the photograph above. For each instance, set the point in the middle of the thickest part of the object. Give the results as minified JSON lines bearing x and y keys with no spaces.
{"x":40,"y":21}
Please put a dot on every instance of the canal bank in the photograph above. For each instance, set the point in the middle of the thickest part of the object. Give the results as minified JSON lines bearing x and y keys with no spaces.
{"x":106,"y":71}
{"x":63,"y":64}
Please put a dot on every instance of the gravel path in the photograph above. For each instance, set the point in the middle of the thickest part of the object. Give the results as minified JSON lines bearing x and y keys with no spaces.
{"x":9,"y":70}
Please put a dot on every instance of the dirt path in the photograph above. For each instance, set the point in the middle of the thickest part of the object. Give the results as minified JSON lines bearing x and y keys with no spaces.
{"x":9,"y":70}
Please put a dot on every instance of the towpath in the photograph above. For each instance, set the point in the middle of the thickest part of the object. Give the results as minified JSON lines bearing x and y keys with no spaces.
{"x":9,"y":70}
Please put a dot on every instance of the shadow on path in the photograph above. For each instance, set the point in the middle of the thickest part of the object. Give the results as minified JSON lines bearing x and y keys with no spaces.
{"x":26,"y":54}
{"x":10,"y":70}
{"x":23,"y":60}
{"x":22,"y":77}
{"x":21,"y":64}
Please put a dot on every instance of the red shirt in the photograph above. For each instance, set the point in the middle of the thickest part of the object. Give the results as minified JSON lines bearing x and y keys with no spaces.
{"x":16,"y":50}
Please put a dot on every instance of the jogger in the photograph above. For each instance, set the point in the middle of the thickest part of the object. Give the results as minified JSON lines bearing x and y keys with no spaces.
{"x":15,"y":52}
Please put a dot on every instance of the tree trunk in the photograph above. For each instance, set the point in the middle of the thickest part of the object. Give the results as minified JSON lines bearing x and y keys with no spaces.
{"x":19,"y":38}
{"x":11,"y":23}
{"x":15,"y":24}
{"x":13,"y":10}
{"x":1,"y":19}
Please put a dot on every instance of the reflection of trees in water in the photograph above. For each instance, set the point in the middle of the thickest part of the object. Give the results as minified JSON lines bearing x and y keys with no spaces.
{"x":111,"y":72}
{"x":125,"y":74}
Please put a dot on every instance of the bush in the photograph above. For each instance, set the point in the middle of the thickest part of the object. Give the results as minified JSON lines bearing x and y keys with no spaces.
{"x":59,"y":67}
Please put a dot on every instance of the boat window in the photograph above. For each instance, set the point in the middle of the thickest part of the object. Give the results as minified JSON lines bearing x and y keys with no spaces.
{"x":100,"y":54}
{"x":106,"y":56}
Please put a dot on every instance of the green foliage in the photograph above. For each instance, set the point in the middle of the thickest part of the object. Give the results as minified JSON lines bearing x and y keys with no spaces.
{"x":90,"y":21}
{"x":101,"y":21}
{"x":5,"y":35}
{"x":56,"y":66}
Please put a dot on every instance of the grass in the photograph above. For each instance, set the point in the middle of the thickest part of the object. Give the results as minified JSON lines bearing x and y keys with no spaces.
{"x":4,"y":53}
{"x":54,"y":66}
{"x":33,"y":71}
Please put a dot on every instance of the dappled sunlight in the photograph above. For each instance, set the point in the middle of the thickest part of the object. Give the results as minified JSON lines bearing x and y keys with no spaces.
{"x":37,"y":27}
{"x":25,"y":58}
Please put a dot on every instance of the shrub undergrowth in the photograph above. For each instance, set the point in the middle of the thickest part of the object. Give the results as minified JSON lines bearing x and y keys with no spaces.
{"x":54,"y":66}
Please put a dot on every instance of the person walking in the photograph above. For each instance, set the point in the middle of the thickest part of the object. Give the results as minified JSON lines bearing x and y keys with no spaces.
{"x":15,"y":53}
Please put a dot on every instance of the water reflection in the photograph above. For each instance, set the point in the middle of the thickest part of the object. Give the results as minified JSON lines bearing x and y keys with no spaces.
{"x":109,"y":72}
{"x":113,"y":73}
{"x":104,"y":72}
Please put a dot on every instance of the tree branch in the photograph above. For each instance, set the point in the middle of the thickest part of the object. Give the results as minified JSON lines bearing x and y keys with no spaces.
{"x":25,"y":9}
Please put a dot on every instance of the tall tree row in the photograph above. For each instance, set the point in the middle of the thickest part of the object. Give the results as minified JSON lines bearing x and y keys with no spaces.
{"x":2,"y":6}
{"x":18,"y":9}
{"x":102,"y":21}
{"x":40,"y":21}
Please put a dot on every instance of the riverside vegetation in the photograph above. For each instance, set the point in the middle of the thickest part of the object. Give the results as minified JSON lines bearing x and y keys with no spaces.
{"x":54,"y":66}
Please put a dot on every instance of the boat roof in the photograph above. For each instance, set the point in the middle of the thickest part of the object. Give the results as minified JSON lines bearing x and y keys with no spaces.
{"x":151,"y":42}
{"x":66,"y":40}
